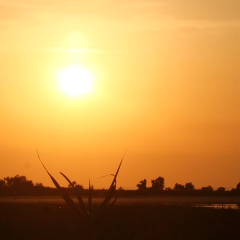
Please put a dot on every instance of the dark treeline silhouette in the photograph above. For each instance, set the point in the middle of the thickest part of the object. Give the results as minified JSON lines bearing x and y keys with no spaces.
{"x":20,"y":185}
{"x":158,"y":187}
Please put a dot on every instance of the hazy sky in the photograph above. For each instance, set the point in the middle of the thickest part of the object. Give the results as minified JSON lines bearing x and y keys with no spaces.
{"x":166,"y":89}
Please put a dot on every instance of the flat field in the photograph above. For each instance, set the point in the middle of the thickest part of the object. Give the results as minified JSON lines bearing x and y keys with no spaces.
{"x":47,"y":220}
{"x":135,"y":200}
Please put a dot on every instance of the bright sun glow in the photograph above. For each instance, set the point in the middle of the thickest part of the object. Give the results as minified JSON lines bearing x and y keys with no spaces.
{"x":75,"y":81}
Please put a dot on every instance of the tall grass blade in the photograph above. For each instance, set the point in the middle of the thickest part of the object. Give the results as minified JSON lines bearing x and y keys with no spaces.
{"x":67,"y":199}
{"x":102,"y":212}
{"x":112,"y":187}
{"x":89,"y":199}
{"x":80,"y":200}
{"x":105,"y":206}
{"x":88,"y":216}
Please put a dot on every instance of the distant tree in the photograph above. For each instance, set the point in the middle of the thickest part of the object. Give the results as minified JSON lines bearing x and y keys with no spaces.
{"x":18,"y":182}
{"x":120,"y":189}
{"x":38,"y":184}
{"x":221,"y":189}
{"x":207,"y":189}
{"x":8,"y":181}
{"x":73,"y":183}
{"x":79,"y":187}
{"x":238,"y":186}
{"x":2,"y":183}
{"x":158,"y":184}
{"x":142,"y":185}
{"x":179,"y":187}
{"x":189,"y":186}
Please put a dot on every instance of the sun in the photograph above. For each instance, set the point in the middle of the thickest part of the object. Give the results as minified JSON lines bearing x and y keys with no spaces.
{"x":75,"y":81}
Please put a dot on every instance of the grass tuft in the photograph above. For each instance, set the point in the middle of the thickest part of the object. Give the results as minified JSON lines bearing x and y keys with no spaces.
{"x":89,"y":216}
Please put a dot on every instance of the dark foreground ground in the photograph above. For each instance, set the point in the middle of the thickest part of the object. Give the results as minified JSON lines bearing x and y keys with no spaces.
{"x":57,"y":221}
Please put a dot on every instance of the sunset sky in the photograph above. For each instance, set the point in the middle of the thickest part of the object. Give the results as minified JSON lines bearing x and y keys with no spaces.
{"x":165,"y":88}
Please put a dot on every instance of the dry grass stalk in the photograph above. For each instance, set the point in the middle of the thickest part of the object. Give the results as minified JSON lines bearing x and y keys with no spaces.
{"x":88,"y":216}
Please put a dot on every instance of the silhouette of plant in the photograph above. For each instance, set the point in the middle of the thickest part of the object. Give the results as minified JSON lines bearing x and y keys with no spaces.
{"x":88,"y":216}
{"x":207,"y":189}
{"x":189,"y":186}
{"x":158,"y":184}
{"x":238,"y":187}
{"x":18,"y":182}
{"x":221,"y":189}
{"x":178,"y":187}
{"x":142,"y":185}
{"x":2,"y":184}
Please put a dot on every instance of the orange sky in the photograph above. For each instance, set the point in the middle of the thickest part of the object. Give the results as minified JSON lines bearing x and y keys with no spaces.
{"x":167,"y":90}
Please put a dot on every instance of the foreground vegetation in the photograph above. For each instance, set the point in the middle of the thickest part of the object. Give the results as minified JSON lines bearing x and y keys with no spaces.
{"x":126,"y":221}
{"x":153,"y":222}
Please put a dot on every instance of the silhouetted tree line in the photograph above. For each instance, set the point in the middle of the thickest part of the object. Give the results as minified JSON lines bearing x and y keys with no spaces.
{"x":157,"y":186}
{"x":20,"y":185}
